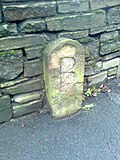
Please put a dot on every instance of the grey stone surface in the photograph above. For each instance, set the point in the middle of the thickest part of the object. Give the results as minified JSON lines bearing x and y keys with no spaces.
{"x":34,"y":52}
{"x":28,"y":10}
{"x":118,"y":71}
{"x":6,"y":115}
{"x":118,"y":45}
{"x":15,"y":42}
{"x":76,"y":22}
{"x":111,"y":77}
{"x":98,"y":78}
{"x":5,"y":109}
{"x":12,"y":83}
{"x":5,"y":103}
{"x":11,"y":64}
{"x":17,"y":0}
{"x":107,"y":28}
{"x":27,"y":97}
{"x":109,"y":47}
{"x":111,"y":63}
{"x":33,"y":68}
{"x":118,"y":26}
{"x":32,"y":26}
{"x":111,"y":56}
{"x":110,"y":36}
{"x":92,"y":135}
{"x":93,"y":68}
{"x":22,"y":109}
{"x":74,"y":35}
{"x":0,"y":15}
{"x":0,"y":93}
{"x":113,"y":15}
{"x":92,"y":47}
{"x":73,"y":6}
{"x":29,"y":86}
{"x":112,"y":71}
{"x":7,"y":29}
{"x":95,"y":4}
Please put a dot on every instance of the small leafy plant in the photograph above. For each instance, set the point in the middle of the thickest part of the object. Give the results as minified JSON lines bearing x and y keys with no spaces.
{"x":92,"y":92}
{"x":88,"y":107}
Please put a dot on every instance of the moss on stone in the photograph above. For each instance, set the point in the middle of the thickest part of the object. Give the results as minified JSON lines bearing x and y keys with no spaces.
{"x":10,"y":52}
{"x":87,"y":52}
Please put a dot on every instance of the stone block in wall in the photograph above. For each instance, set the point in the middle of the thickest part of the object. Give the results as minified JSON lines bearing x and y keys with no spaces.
{"x":22,"y":109}
{"x":74,"y":35}
{"x":32,"y":26}
{"x":15,"y":0}
{"x":118,"y":45}
{"x":7,"y":29}
{"x":33,"y":68}
{"x":6,"y":115}
{"x":110,"y":28}
{"x":76,"y":22}
{"x":15,"y":42}
{"x":111,"y":77}
{"x":5,"y":109}
{"x":11,"y":64}
{"x":111,"y":63}
{"x":113,"y":16}
{"x":98,"y":78}
{"x":0,"y":93}
{"x":118,"y":71}
{"x":34,"y":52}
{"x":118,"y":26}
{"x":109,"y":48}
{"x":13,"y":12}
{"x":103,"y":29}
{"x":112,"y":71}
{"x":29,"y":86}
{"x":0,"y":15}
{"x":73,"y":6}
{"x":12,"y":83}
{"x":93,"y":68}
{"x":111,"y":56}
{"x":27,"y":97}
{"x":95,"y":4}
{"x":92,"y":47}
{"x":5,"y":102}
{"x":110,"y":36}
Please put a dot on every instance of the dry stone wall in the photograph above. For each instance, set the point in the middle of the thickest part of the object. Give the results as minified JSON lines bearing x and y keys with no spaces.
{"x":27,"y":26}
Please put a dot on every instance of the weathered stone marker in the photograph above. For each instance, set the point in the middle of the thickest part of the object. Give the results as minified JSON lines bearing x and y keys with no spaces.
{"x":64,"y":75}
